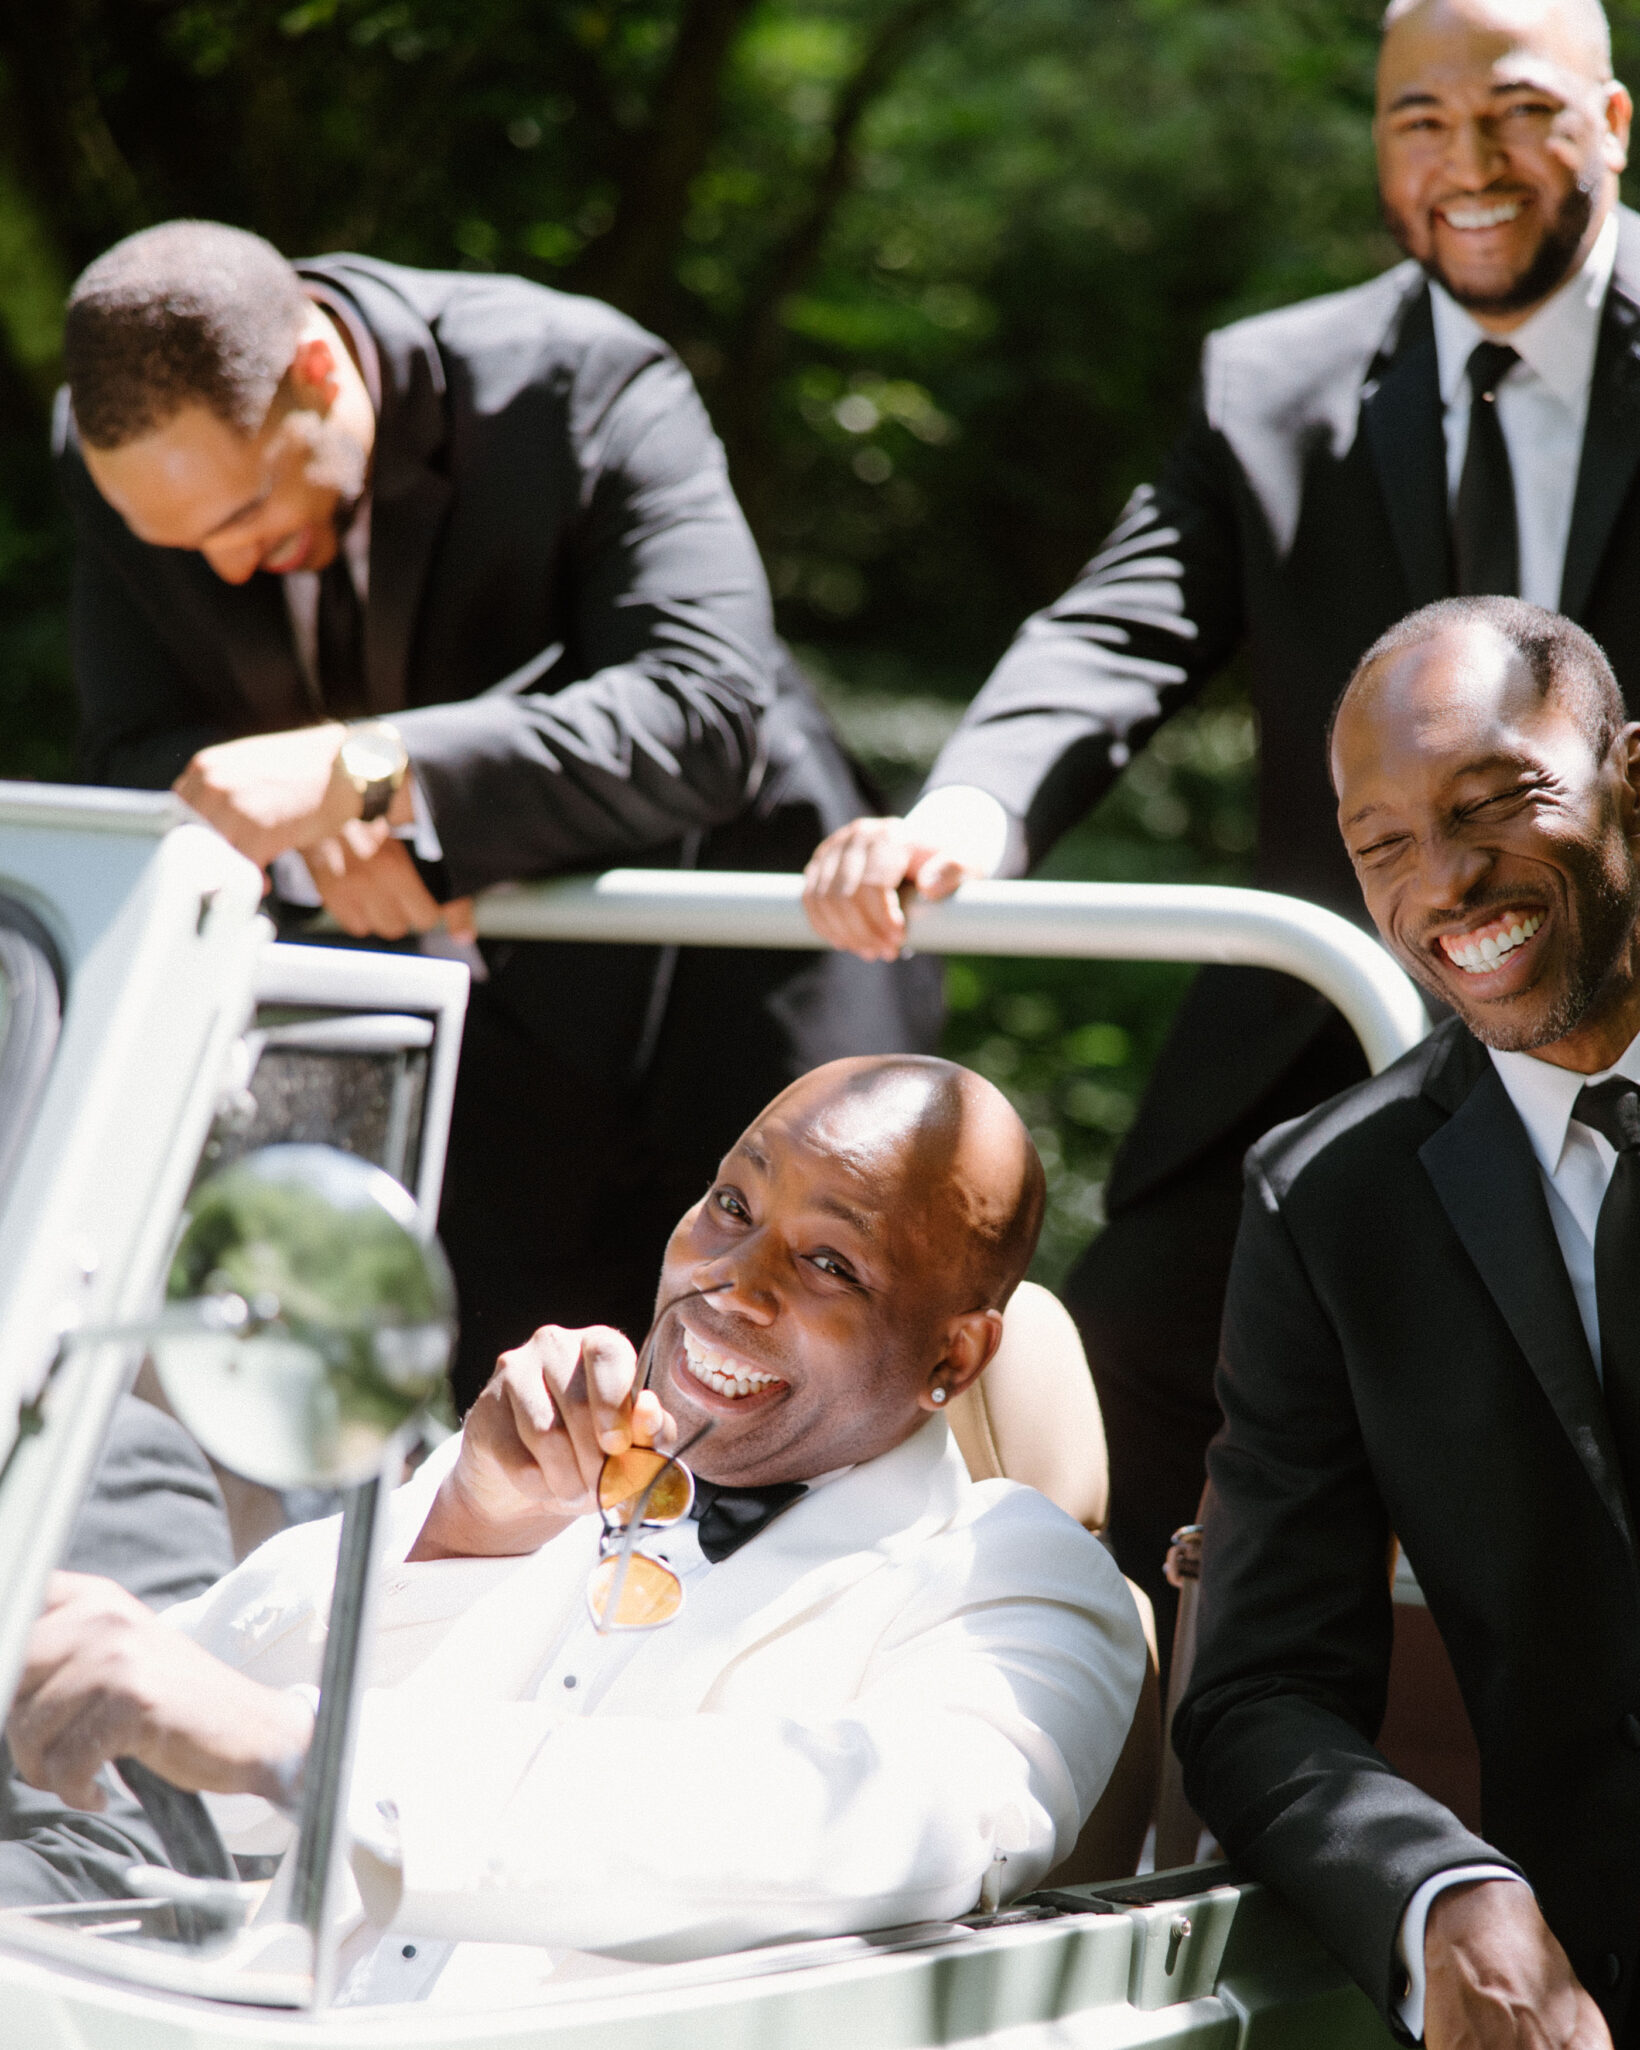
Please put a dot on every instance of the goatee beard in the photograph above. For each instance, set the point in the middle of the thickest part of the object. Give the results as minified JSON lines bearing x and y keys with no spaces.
{"x":1549,"y":268}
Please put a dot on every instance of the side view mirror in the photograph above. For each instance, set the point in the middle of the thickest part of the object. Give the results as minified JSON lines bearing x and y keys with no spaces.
{"x":308,"y":1324}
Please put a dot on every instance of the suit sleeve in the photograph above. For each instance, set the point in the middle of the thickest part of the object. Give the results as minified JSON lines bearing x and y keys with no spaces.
{"x":673,"y":640}
{"x":985,"y":1730}
{"x":1156,"y":613}
{"x":1288,"y":1689}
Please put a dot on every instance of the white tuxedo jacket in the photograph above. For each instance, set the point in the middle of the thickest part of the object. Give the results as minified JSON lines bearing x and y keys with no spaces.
{"x":904,"y":1679}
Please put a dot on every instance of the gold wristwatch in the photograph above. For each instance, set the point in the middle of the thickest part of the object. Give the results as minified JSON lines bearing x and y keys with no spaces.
{"x":375,"y":761}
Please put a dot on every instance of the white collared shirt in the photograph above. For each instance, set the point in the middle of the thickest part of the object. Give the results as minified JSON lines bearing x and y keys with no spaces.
{"x":1542,"y":401}
{"x":1576,"y":1163}
{"x":301,"y":591}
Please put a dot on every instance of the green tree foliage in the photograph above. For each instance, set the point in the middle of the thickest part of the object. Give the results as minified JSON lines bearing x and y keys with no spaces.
{"x":941,"y":268}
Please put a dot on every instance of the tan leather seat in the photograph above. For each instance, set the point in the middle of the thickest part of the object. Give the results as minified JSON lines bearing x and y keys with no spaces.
{"x":1033,"y":1416}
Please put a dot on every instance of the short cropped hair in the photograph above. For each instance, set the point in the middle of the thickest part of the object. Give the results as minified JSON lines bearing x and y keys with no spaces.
{"x":1567,"y":664}
{"x":191,"y":312}
{"x":1588,"y":18}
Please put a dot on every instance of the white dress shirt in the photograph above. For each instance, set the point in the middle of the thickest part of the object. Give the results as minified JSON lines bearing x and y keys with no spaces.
{"x":1542,"y":403}
{"x":301,"y":593}
{"x":1576,"y":1165}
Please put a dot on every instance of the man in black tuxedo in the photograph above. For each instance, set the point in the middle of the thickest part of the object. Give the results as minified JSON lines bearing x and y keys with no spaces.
{"x":1433,"y":1330}
{"x":1327,"y":482}
{"x":412,"y":583}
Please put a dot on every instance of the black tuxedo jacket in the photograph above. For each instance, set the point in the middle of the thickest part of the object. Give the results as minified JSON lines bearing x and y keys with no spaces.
{"x":1402,"y":1353}
{"x":1302,"y":512}
{"x":568,"y":621}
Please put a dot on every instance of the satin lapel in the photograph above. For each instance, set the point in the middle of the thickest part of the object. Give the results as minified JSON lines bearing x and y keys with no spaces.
{"x":404,"y":529}
{"x":1611,"y":445}
{"x":1404,"y":430}
{"x":806,"y":1558}
{"x":1486,"y":1176}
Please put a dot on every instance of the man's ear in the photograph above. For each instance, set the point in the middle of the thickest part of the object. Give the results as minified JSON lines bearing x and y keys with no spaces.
{"x":312,"y":374}
{"x":971,"y":1341}
{"x":1626,"y":754}
{"x":1619,"y":116}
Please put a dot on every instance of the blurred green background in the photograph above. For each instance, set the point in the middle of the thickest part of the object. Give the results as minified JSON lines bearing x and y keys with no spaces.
{"x":941,"y":269}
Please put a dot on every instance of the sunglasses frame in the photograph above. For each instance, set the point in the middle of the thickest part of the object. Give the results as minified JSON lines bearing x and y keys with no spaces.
{"x":637,"y":1521}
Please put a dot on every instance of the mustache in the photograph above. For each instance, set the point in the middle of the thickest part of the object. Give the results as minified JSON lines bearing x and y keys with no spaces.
{"x":646,"y":1351}
{"x":767,"y":1359}
{"x":1475,"y":911}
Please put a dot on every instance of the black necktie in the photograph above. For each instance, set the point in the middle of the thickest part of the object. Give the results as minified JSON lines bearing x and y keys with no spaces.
{"x":1485,"y":540}
{"x":732,"y":1517}
{"x":1612,"y":1108}
{"x":341,"y":641}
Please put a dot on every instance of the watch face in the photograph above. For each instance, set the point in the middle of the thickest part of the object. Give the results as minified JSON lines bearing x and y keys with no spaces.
{"x":372,"y":756}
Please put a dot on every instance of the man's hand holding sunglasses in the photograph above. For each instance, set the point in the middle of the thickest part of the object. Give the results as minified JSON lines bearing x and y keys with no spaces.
{"x":534,"y":1443}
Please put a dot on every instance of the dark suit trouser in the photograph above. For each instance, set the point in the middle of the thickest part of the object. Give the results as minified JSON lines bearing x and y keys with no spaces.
{"x":153,"y":1520}
{"x":1148,"y":1298}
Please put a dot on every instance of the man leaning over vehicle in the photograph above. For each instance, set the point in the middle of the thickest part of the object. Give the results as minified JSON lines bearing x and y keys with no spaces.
{"x":412,"y":582}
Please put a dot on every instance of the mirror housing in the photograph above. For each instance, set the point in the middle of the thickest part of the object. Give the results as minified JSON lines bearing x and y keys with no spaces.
{"x":308,"y":1323}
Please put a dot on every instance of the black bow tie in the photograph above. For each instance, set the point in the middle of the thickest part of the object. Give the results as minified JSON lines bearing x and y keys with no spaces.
{"x":732,"y":1517}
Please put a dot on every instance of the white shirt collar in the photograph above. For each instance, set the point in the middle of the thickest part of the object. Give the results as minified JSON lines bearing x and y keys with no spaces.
{"x":1544,"y":1094}
{"x":1559,"y":340}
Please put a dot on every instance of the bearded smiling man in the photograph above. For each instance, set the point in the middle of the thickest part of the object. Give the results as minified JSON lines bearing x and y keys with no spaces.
{"x":887,"y":1689}
{"x":1468,"y":422}
{"x":1433,"y":1330}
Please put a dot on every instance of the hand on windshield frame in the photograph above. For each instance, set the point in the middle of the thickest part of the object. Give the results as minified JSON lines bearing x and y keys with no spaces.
{"x":373,"y":890}
{"x":105,"y":1678}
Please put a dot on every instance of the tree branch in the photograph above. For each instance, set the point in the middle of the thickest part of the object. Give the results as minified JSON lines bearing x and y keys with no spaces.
{"x":631,"y":265}
{"x":755,"y":358}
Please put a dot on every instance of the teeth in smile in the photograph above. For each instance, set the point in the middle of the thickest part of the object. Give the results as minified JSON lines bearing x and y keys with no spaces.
{"x":1492,"y":216}
{"x":1480,"y":955}
{"x":721,"y":1371}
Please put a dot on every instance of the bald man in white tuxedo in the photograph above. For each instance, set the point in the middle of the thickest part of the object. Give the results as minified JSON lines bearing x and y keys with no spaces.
{"x":900,"y":1691}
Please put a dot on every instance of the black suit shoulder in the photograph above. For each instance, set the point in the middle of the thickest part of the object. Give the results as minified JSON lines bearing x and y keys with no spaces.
{"x":1356,"y":1135}
{"x":506,"y":333}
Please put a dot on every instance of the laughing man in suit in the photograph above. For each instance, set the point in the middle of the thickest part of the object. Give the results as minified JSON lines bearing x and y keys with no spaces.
{"x":1334,"y":475}
{"x":1433,"y":1329}
{"x":413,"y":582}
{"x":888,"y":1690}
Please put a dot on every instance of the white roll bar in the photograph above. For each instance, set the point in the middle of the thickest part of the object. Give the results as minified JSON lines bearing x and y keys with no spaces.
{"x":1086,"y":921}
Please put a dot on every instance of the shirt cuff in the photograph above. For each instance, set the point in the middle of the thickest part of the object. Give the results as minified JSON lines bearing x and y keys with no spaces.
{"x":969,"y":823}
{"x":421,"y":832}
{"x":1409,"y":1942}
{"x":292,"y":882}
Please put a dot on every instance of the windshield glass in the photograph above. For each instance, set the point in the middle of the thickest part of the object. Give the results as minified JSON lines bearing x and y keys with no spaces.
{"x":30,"y":1015}
{"x":178,"y":1889}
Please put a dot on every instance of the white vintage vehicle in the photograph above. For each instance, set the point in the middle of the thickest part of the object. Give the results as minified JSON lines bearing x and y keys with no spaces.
{"x":151,"y":1033}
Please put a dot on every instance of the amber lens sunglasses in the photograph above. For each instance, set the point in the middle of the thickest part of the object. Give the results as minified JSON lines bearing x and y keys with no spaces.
{"x":641,"y":1490}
